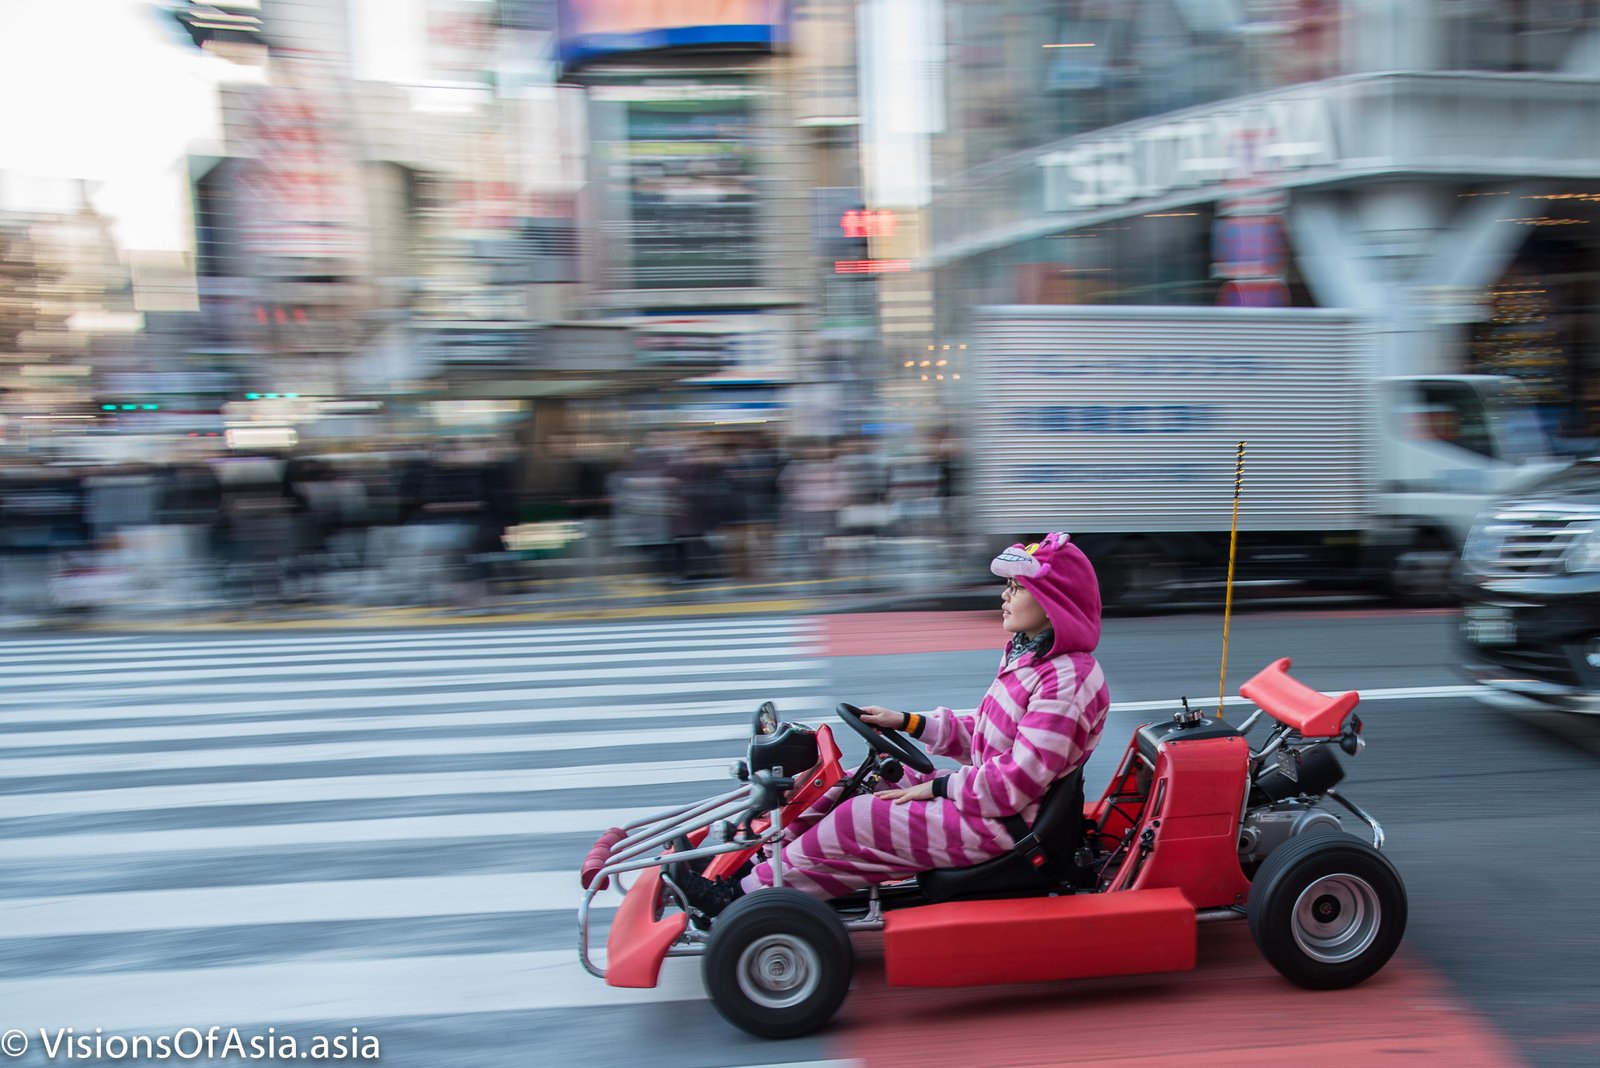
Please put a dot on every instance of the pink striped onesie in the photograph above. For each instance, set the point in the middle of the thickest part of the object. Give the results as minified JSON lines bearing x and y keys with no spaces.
{"x":1039,"y":720}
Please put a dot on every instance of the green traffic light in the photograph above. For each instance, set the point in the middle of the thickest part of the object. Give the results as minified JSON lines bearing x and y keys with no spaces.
{"x":272,"y":396}
{"x":130,"y":407}
{"x":108,"y":407}
{"x":252,"y":396}
{"x":151,"y":407}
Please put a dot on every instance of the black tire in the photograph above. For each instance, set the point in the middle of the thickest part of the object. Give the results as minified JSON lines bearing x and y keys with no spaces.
{"x":1136,"y":578}
{"x":1327,"y":910}
{"x":1425,"y":573}
{"x":779,"y":963}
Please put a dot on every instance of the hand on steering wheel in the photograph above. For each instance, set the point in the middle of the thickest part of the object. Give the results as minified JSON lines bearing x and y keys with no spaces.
{"x":884,"y":739}
{"x":885,"y":719}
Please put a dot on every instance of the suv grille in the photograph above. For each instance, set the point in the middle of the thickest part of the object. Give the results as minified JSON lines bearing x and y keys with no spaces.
{"x":1520,"y":544}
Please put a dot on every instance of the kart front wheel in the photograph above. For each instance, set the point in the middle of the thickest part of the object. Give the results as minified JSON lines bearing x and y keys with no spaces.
{"x":1327,"y":910}
{"x":778,"y":964}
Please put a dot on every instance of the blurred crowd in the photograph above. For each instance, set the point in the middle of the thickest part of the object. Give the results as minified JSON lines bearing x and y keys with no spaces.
{"x":686,"y":506}
{"x":462,"y":524}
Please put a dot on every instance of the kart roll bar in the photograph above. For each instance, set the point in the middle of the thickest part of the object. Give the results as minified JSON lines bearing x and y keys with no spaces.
{"x":1377,"y":829}
{"x":639,"y":846}
{"x":629,"y":834}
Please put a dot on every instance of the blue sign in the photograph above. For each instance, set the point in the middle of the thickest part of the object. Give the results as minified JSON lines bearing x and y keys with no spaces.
{"x":594,"y":29}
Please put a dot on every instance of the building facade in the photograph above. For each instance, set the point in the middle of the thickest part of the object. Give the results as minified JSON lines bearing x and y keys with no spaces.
{"x":1433,"y":163}
{"x":611,"y":215}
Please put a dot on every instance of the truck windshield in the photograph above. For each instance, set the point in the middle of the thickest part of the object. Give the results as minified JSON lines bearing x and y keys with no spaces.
{"x":1522,"y":435}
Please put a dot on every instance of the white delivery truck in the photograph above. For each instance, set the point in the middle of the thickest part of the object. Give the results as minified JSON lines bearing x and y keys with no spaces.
{"x":1120,"y":425}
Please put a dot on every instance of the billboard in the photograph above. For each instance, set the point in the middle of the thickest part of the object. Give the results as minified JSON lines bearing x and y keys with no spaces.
{"x":679,"y":174}
{"x":298,"y":178}
{"x":592,"y":29}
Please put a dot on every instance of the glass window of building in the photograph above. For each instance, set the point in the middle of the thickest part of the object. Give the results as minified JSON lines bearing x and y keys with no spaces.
{"x":1514,"y":35}
{"x":1025,"y":73}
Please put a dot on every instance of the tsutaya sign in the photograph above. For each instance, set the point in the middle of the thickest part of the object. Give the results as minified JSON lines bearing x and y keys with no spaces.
{"x":1240,"y":146}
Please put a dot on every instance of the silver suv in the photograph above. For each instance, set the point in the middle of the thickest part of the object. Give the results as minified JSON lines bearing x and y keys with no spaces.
{"x":1530,"y":622}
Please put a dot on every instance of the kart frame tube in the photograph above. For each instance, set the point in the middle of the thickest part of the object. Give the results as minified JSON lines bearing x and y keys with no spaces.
{"x":684,"y":820}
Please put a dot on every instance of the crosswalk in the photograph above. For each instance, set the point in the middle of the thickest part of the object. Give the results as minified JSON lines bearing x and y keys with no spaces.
{"x":347,"y":829}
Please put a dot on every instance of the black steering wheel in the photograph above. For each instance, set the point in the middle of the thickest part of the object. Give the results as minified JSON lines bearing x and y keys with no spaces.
{"x":890,"y":743}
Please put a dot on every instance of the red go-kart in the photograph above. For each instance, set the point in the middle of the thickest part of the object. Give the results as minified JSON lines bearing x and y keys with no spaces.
{"x":1194,"y":826}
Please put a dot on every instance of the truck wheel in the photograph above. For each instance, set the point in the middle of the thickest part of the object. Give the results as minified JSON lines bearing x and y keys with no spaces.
{"x":1327,"y":910}
{"x":1424,"y":572}
{"x":778,"y":964}
{"x":1135,"y":578}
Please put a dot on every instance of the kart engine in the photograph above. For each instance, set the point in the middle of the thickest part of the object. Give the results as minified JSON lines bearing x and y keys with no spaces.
{"x":1266,"y":827}
{"x":1284,"y":801}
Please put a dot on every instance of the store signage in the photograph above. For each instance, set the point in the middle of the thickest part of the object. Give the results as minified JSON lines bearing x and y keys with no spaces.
{"x":1228,"y":147}
{"x":859,"y":223}
{"x":871,"y":266}
{"x":683,"y":346}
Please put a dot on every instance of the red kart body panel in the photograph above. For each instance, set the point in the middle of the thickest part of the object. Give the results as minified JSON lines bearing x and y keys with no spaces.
{"x":1294,"y":704}
{"x":1022,"y":940}
{"x":816,"y":782}
{"x":639,"y":938}
{"x":1196,"y":797}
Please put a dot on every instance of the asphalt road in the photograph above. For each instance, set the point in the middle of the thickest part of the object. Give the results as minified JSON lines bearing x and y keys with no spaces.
{"x":327,"y":832}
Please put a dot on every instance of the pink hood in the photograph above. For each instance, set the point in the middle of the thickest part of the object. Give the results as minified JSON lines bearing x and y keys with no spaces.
{"x":1062,"y":580}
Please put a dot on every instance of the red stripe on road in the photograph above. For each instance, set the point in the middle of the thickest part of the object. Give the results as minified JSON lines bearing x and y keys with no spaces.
{"x":889,"y":633}
{"x":1232,"y":1010}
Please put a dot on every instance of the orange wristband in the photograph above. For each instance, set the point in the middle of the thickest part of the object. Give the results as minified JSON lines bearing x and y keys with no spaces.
{"x":913,"y":724}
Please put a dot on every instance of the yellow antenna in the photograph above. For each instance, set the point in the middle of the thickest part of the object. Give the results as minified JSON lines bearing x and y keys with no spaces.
{"x":1233,"y":548}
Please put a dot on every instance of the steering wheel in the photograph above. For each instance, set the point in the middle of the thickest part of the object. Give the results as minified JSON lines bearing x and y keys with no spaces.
{"x":890,"y":743}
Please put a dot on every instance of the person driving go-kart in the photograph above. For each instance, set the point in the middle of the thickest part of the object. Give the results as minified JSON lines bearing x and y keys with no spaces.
{"x":1039,"y":721}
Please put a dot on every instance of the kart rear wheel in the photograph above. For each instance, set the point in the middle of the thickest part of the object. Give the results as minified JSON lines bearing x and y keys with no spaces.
{"x":778,"y":964}
{"x":1327,"y":910}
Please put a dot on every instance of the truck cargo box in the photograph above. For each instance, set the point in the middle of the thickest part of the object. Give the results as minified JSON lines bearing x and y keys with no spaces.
{"x":1095,"y":418}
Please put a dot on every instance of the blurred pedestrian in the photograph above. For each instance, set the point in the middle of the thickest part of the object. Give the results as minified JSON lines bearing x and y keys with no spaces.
{"x":701,"y":502}
{"x":641,"y":492}
{"x":811,"y":501}
{"x":752,"y":474}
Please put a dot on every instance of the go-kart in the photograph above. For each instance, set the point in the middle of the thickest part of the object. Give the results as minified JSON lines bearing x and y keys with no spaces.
{"x":1194,"y":826}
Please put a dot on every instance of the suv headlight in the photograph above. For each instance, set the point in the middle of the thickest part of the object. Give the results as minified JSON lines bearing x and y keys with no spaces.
{"x":1585,"y":552}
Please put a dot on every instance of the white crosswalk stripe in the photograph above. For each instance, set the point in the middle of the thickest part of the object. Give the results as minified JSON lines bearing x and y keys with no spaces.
{"x":348,"y":826}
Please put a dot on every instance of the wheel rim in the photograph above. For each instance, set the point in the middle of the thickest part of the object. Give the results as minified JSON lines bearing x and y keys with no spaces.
{"x":1336,"y":918}
{"x":779,"y":971}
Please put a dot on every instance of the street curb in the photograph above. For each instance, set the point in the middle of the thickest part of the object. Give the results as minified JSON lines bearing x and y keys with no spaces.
{"x":574,"y":609}
{"x":403,"y":618}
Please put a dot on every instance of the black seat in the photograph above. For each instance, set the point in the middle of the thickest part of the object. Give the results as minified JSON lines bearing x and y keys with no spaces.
{"x":1042,"y":861}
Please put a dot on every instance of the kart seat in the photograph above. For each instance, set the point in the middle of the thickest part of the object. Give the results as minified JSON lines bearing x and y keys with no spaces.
{"x":1042,"y":861}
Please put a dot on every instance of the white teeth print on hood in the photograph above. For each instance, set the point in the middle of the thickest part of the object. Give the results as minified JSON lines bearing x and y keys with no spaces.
{"x":1062,"y":580}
